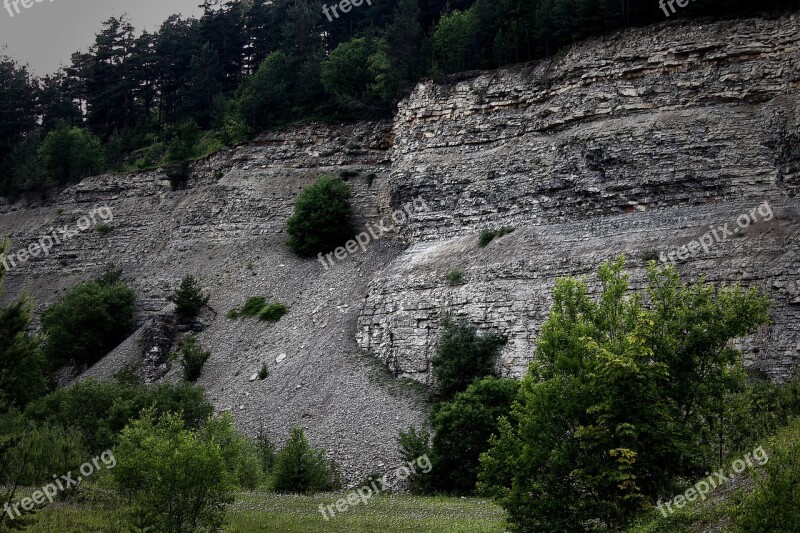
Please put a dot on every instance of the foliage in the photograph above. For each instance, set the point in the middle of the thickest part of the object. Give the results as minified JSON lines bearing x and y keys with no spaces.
{"x":462,"y":356}
{"x":174,"y":479}
{"x":462,"y":429}
{"x":455,"y":277}
{"x":68,"y":154}
{"x":253,"y":306}
{"x":489,"y":235}
{"x":321,"y":219}
{"x":414,"y":444}
{"x":301,"y":469}
{"x":242,"y":456}
{"x":619,"y":400}
{"x":264,"y":372}
{"x":30,"y":452}
{"x":114,"y":405}
{"x":193,"y":358}
{"x":189,"y":299}
{"x":272,"y":312}
{"x":183,"y":141}
{"x":88,"y":322}
{"x":21,"y":362}
{"x":347,"y":76}
{"x":258,"y":306}
{"x":774,"y":504}
{"x":103,"y":228}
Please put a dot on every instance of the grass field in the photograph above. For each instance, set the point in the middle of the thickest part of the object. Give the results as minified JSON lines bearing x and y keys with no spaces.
{"x":287,"y":513}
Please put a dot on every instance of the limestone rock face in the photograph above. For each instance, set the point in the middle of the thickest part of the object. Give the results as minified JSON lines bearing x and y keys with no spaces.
{"x":634,"y":143}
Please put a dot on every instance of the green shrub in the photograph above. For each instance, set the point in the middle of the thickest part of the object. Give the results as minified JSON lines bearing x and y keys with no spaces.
{"x":32,"y":451}
{"x":103,"y":228}
{"x":489,"y":235}
{"x":301,"y":469}
{"x":272,"y":312}
{"x":193,"y":358}
{"x":371,"y":179}
{"x":189,"y":298}
{"x":462,"y":428}
{"x":88,"y":322}
{"x":321,"y":219}
{"x":462,"y":356}
{"x":264,"y":372}
{"x":455,"y":277}
{"x":173,"y":479}
{"x":774,"y":503}
{"x":414,"y":444}
{"x":241,"y":455}
{"x":622,"y":401}
{"x":114,"y":405}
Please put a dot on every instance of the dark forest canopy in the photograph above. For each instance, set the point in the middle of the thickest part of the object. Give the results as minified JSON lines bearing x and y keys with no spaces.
{"x":141,"y":99}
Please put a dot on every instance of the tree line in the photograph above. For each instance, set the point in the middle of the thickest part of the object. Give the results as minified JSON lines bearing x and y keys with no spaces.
{"x":248,"y":65}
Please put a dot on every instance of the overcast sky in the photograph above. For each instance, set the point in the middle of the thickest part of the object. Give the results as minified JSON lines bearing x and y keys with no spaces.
{"x":46,"y":34}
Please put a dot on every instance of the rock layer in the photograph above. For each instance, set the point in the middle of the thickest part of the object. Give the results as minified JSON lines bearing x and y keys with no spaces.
{"x":632,"y":143}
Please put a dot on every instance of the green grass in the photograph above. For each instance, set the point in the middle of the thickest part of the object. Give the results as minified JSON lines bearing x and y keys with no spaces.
{"x":386,"y":513}
{"x":256,"y":512}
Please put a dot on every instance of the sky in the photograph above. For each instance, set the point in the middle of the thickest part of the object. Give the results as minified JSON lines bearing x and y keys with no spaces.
{"x":46,"y":34}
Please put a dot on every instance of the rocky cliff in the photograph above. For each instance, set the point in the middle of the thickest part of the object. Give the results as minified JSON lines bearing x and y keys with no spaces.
{"x":637,"y":143}
{"x":641,"y":142}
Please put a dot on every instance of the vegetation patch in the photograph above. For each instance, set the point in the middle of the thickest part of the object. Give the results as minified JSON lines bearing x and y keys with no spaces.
{"x":489,"y":235}
{"x":258,"y":306}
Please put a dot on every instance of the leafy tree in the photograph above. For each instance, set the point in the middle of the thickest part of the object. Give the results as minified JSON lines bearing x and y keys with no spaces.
{"x":189,"y":299}
{"x":617,"y":403}
{"x":193,"y":358}
{"x":21,"y":362}
{"x":462,"y":357}
{"x":265,"y":98}
{"x":184,"y":141}
{"x":462,"y":430}
{"x":89,"y":321}
{"x":173,"y":479}
{"x":301,"y":469}
{"x":414,"y":444}
{"x":17,"y":103}
{"x":242,"y":457}
{"x":24,"y":167}
{"x":321,"y":219}
{"x":68,"y":154}
{"x":347,"y":77}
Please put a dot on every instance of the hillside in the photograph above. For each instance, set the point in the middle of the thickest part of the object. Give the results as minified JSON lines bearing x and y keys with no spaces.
{"x":639,"y":142}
